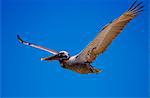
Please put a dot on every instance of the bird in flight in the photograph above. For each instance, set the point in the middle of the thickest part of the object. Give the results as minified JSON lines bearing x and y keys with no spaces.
{"x":81,"y":62}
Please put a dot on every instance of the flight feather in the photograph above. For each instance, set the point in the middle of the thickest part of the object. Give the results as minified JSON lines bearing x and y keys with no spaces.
{"x":108,"y":33}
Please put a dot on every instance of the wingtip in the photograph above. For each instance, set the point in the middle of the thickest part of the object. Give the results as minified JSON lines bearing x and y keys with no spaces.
{"x":19,"y":39}
{"x":135,"y":6}
{"x":132,"y":5}
{"x":18,"y":36}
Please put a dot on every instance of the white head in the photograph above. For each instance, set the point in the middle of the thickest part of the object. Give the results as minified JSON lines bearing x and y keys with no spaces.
{"x":63,"y":55}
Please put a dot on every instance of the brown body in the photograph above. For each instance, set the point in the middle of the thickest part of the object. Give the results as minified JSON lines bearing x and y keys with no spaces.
{"x":82,"y":68}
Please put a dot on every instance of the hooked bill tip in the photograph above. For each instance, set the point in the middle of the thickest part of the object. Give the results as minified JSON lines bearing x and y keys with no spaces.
{"x":42,"y":59}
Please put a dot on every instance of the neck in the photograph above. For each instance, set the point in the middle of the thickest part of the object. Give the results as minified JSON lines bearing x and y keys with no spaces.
{"x":62,"y":62}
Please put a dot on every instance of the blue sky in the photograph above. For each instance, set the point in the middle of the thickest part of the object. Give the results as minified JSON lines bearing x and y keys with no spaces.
{"x":70,"y":25}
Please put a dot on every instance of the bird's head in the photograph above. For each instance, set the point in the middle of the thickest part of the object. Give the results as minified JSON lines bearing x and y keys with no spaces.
{"x":62,"y":55}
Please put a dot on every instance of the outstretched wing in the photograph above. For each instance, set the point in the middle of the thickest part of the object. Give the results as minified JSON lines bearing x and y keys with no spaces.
{"x":36,"y":46}
{"x":107,"y":34}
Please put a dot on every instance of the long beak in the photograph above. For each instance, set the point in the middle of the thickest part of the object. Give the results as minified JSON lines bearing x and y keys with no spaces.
{"x":50,"y":58}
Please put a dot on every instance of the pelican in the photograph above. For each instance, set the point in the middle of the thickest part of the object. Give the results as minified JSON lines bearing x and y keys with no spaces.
{"x":81,"y":62}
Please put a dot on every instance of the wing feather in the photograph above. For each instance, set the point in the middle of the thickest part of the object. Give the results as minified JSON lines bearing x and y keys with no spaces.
{"x":36,"y":46}
{"x":107,"y":34}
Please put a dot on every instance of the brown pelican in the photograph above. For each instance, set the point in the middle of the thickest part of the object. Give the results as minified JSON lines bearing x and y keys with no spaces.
{"x":81,"y":63}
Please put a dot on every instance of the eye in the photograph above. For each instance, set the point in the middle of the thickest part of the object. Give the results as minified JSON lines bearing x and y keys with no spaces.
{"x":65,"y":57}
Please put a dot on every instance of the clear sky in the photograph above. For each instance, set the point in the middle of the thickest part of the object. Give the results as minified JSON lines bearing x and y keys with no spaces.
{"x":70,"y":25}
